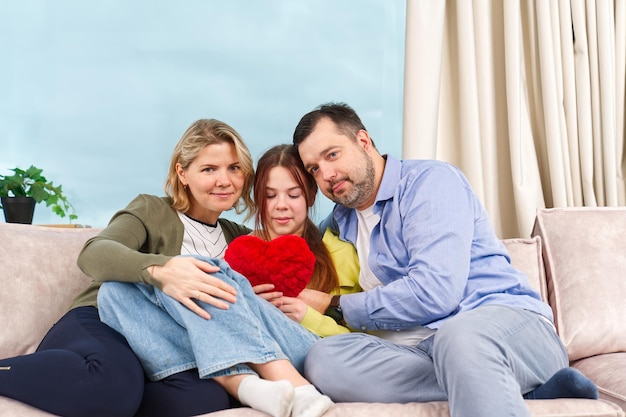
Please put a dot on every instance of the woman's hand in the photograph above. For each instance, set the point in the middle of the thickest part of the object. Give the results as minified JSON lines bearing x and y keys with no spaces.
{"x":186,"y":279}
{"x":294,"y":308}
{"x":265,"y":291}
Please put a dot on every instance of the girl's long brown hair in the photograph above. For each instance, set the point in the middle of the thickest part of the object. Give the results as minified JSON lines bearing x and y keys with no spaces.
{"x":324,"y":274}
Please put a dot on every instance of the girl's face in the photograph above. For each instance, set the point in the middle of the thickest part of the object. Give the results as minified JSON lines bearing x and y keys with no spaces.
{"x":214,"y":180}
{"x":286,"y":206}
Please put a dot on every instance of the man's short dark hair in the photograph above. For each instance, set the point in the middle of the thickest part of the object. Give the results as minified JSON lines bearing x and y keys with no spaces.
{"x":342,"y":115}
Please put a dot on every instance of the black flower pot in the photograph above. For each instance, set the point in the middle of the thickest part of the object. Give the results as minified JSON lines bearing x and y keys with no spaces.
{"x":18,"y":209}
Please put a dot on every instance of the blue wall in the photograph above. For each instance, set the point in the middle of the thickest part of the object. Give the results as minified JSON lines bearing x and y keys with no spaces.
{"x":98,"y":93}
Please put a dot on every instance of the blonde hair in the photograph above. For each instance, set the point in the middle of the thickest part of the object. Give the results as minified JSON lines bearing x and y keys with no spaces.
{"x":199,"y":135}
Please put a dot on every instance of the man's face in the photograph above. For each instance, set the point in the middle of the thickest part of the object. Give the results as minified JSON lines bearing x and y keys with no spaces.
{"x":342,"y":168}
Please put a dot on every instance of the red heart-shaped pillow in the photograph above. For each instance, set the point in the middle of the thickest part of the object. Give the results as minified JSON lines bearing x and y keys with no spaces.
{"x":287,"y":262}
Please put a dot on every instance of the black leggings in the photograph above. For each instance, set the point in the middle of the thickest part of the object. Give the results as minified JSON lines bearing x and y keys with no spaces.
{"x":84,"y":368}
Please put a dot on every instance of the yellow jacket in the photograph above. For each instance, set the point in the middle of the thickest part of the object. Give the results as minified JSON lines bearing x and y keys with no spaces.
{"x":347,"y":265}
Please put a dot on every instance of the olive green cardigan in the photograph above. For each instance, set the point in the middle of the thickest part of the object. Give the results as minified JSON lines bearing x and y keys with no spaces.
{"x":147,"y":232}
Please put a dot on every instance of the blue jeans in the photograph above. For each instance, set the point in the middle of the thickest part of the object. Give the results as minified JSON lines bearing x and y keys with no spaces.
{"x":169,"y":338}
{"x":481,"y":361}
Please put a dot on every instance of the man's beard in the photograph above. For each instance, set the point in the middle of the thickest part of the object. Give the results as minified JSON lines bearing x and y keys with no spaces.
{"x":361,"y":191}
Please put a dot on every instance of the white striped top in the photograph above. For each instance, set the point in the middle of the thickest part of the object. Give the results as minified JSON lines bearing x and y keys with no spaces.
{"x":202,"y":238}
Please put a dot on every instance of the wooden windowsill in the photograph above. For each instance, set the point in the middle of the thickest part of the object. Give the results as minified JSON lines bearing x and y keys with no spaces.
{"x":70,"y":226}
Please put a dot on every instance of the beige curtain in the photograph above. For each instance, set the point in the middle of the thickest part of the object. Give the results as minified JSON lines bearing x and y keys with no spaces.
{"x":526,"y":97}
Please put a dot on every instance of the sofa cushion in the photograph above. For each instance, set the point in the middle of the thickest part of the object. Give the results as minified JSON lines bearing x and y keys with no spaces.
{"x":585,"y":258}
{"x":607,"y":371}
{"x":566,"y":407}
{"x":39,"y":279}
{"x":538,"y":408}
{"x":526,"y":256}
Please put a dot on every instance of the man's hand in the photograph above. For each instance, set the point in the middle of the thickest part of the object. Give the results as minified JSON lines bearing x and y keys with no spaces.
{"x":319,"y":300}
{"x":186,"y":279}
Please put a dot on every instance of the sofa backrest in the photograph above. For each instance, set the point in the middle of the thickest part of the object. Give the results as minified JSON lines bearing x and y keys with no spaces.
{"x":584,"y":251}
{"x":39,"y":279}
{"x":526,"y":256}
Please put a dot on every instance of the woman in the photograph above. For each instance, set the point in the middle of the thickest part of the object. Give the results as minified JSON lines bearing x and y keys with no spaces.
{"x":83,"y":367}
{"x":228,"y":342}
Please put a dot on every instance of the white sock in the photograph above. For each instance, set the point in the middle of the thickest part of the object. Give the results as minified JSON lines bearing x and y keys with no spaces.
{"x":272,"y":397}
{"x":309,"y":402}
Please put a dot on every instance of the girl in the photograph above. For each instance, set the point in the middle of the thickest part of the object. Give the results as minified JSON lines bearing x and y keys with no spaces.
{"x":284,"y":193}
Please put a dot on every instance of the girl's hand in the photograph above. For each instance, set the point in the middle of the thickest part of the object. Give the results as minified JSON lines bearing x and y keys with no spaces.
{"x":186,"y":279}
{"x":318,"y":300}
{"x":294,"y":308}
{"x":265,"y":291}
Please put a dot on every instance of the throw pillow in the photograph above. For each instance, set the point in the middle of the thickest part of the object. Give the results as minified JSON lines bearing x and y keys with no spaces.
{"x":287,"y":262}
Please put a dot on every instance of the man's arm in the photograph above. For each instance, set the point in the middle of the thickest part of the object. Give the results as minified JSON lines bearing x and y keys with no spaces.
{"x":421,"y":252}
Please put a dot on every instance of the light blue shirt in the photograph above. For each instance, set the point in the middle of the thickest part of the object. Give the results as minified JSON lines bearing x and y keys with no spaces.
{"x":434,"y":250}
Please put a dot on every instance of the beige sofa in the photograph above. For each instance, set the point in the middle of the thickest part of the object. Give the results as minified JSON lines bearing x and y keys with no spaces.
{"x":584,"y":280}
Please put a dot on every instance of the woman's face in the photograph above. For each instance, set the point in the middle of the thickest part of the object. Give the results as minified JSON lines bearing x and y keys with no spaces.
{"x":286,"y":206}
{"x":214,"y":181}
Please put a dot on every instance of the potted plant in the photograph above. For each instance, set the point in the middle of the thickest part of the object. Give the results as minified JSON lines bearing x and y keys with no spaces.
{"x":21,"y":191}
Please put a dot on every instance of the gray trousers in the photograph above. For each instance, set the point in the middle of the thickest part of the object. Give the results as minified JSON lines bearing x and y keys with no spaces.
{"x":481,"y":361}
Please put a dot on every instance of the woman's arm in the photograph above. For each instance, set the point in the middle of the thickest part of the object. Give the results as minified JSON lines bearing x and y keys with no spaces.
{"x":141,"y":244}
{"x":115,"y":254}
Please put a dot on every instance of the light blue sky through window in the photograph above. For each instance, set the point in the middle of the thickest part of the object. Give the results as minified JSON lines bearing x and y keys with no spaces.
{"x":98,"y":93}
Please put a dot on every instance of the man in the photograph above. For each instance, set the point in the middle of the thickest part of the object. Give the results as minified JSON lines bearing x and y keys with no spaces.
{"x":455,"y":320}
